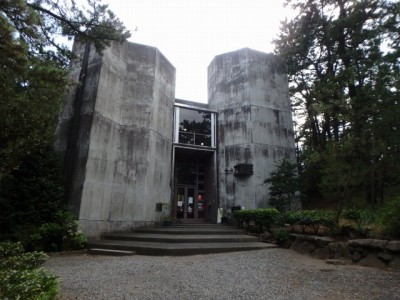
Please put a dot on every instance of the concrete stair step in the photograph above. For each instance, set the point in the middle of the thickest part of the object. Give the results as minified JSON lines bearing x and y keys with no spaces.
{"x":113,"y":252}
{"x":180,"y":238}
{"x":190,"y":230}
{"x":175,"y":249}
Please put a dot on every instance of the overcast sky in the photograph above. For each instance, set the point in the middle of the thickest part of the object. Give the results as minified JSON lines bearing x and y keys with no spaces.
{"x":191,"y":32}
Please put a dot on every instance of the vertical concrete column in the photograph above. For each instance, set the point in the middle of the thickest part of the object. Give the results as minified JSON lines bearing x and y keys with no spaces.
{"x":127,"y":167}
{"x":249,"y":89}
{"x":75,"y":120}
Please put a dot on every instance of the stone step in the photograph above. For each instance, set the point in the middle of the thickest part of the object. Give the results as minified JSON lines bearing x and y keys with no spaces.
{"x":180,"y":238}
{"x":113,"y":252}
{"x":175,"y":249}
{"x":190,"y":230}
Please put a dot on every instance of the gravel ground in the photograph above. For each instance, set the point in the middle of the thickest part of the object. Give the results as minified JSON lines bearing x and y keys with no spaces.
{"x":262,"y":274}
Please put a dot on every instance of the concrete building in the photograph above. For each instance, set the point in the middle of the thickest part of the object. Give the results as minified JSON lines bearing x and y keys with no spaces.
{"x":135,"y":155}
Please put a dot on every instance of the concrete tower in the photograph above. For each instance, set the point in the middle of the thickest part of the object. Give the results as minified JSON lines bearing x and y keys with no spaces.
{"x":116,"y":131}
{"x":249,"y":89}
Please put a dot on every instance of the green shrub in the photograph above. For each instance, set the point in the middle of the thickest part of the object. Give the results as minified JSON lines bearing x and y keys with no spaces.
{"x":353,"y":215}
{"x":266,"y":217}
{"x":263,"y":217}
{"x":21,"y":277}
{"x":280,"y":235}
{"x":244,"y":215}
{"x":313,"y":219}
{"x":61,"y":234}
{"x":33,"y":209}
{"x":28,"y":260}
{"x":8,"y":249}
{"x":362,"y":219}
{"x":390,"y":218}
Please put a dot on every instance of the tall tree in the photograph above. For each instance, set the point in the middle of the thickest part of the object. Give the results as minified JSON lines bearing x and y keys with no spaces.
{"x":343,"y":64}
{"x":33,"y":62}
{"x":33,"y":77}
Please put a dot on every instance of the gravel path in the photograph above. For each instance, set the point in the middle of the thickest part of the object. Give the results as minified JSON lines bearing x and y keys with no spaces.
{"x":262,"y":274}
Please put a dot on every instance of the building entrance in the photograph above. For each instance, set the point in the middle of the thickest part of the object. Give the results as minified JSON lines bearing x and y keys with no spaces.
{"x":190,"y":206}
{"x":193,"y":200}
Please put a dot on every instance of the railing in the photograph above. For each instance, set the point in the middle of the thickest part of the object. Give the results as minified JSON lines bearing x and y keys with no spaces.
{"x":194,"y":138}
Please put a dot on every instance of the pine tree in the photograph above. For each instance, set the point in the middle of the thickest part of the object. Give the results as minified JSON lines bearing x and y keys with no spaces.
{"x":343,"y":64}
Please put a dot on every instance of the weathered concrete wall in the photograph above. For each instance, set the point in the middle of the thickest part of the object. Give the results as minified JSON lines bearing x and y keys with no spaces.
{"x":75,"y":121}
{"x":128,"y":165}
{"x":249,"y":89}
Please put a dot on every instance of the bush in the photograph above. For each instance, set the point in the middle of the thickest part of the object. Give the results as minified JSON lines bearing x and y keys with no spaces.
{"x":390,"y":218}
{"x":8,"y":249}
{"x":284,"y":184}
{"x":61,"y":234}
{"x":263,"y":217}
{"x":280,"y":235}
{"x":313,"y":219}
{"x":242,"y":215}
{"x":21,"y":277}
{"x":361,"y":217}
{"x":266,"y":217}
{"x":33,"y":209}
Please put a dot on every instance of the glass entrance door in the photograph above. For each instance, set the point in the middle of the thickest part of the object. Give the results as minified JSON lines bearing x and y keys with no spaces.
{"x":188,"y":206}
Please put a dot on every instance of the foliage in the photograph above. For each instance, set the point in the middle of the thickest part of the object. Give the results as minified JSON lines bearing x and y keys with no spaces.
{"x":390,"y":218}
{"x":266,"y":217}
{"x":342,"y":61}
{"x":8,"y":249}
{"x":33,"y":78}
{"x":281,"y":235}
{"x":32,"y":206}
{"x":307,"y":221}
{"x":263,"y":217}
{"x":33,"y":193}
{"x":283,"y":185}
{"x":313,"y":219}
{"x":359,"y":216}
{"x":21,"y":277}
{"x":61,"y":234}
{"x":33,"y":67}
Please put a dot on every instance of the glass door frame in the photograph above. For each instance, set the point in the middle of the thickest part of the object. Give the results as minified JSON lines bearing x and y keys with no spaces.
{"x":177,"y":215}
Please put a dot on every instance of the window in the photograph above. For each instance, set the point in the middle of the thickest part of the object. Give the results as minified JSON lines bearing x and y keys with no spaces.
{"x":194,"y":127}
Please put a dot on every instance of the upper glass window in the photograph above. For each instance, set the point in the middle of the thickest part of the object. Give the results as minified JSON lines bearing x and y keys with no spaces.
{"x":195,"y":127}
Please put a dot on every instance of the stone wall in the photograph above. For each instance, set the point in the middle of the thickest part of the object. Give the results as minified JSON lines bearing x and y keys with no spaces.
{"x":365,"y":252}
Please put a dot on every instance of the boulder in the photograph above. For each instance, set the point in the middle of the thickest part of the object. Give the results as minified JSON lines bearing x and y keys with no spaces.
{"x":356,"y":257}
{"x":369,"y":243}
{"x":395,"y":263}
{"x":386,"y":257}
{"x":338,"y":249}
{"x":321,"y":253}
{"x":393,"y":246}
{"x":371,"y":260}
{"x":335,"y":262}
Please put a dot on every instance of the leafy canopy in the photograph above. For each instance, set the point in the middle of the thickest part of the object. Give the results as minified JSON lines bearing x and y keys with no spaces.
{"x":33,"y":67}
{"x":33,"y":77}
{"x":342,"y":58}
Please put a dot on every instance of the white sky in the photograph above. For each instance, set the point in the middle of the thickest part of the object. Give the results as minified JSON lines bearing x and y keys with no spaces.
{"x":191,"y":32}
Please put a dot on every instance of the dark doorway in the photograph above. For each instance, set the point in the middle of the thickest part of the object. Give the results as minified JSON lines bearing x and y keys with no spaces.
{"x":194,"y":185}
